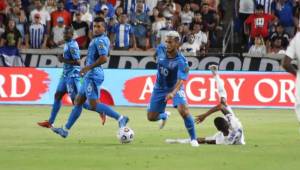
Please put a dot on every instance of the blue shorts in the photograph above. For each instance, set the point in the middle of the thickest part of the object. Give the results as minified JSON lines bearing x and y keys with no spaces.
{"x":69,"y":85}
{"x":90,"y":88}
{"x":157,"y":102}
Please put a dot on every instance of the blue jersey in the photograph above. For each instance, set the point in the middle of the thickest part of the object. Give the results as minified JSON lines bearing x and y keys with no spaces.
{"x":98,"y":47}
{"x":122,"y":32}
{"x":71,"y":52}
{"x":170,"y":70}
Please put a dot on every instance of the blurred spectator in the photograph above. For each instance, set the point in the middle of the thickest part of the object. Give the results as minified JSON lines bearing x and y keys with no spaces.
{"x":86,"y":15}
{"x":281,"y":34}
{"x":17,"y":14}
{"x":190,"y":46}
{"x":61,"y":12}
{"x":186,"y":15}
{"x":211,"y":19}
{"x":81,"y":30}
{"x":72,"y":6}
{"x":12,"y":36}
{"x":259,"y":23}
{"x":118,"y":14}
{"x":258,"y":48}
{"x":56,"y":38}
{"x":141,"y":24}
{"x":111,"y":10}
{"x":151,"y":4}
{"x":171,"y":9}
{"x":127,"y":5}
{"x":50,"y":6}
{"x":267,"y":5}
{"x":36,"y":36}
{"x":200,"y":37}
{"x":244,"y":8}
{"x":146,"y":8}
{"x":185,"y":32}
{"x":122,"y":35}
{"x":45,"y":16}
{"x":277,"y":46}
{"x":195,"y":5}
{"x":104,"y":9}
{"x":158,"y":22}
{"x":10,"y":44}
{"x":162,"y":33}
{"x":283,"y":9}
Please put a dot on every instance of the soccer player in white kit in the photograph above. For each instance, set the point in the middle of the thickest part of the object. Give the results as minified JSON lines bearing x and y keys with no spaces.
{"x":293,"y":53}
{"x":230,"y":129}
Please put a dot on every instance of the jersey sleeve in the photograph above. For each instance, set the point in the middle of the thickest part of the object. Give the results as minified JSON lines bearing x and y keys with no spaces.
{"x":183,"y":70}
{"x":160,"y":50}
{"x":102,"y":47}
{"x":291,"y":49}
{"x":74,"y":50}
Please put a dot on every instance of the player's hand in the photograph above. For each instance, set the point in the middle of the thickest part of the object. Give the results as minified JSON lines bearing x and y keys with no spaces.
{"x":83,"y":71}
{"x":169,"y":96}
{"x":200,"y":118}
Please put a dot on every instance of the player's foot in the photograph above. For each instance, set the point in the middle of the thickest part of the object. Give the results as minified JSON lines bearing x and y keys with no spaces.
{"x":181,"y":141}
{"x":123,"y":121}
{"x":63,"y":133}
{"x":164,"y":121}
{"x":194,"y":143}
{"x":213,"y":68}
{"x":102,"y":118}
{"x":45,"y":124}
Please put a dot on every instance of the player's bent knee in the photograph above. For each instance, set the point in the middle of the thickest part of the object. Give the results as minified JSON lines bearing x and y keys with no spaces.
{"x":152,"y":116}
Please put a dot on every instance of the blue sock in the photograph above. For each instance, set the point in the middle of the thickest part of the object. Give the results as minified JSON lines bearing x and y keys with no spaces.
{"x":55,"y":108}
{"x":189,"y":124}
{"x":76,"y":111}
{"x":162,"y":116}
{"x":102,"y":108}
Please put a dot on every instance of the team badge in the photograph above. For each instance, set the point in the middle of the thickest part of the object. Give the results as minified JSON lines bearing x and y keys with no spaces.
{"x":101,"y":46}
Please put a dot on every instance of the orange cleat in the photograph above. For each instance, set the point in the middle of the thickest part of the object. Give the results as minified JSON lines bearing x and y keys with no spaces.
{"x":102,"y":118}
{"x":45,"y":124}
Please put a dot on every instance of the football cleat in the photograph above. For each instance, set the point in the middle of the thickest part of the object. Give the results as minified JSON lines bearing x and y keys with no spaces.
{"x":123,"y":121}
{"x":45,"y":124}
{"x":60,"y":131}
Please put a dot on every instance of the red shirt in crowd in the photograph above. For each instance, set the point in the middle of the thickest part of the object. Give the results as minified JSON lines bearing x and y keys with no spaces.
{"x":259,"y":24}
{"x":65,"y":14}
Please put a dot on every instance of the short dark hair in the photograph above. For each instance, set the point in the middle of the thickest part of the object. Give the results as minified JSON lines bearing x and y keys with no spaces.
{"x":259,"y":7}
{"x":99,"y":19}
{"x":69,"y":29}
{"x":220,"y":123}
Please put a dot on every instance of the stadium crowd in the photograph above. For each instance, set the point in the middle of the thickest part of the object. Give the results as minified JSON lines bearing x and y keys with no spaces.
{"x":131,"y":24}
{"x":266,"y":26}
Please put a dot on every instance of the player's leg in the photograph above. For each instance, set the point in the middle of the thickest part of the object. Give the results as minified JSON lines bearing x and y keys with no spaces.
{"x":60,"y":92}
{"x":180,"y":102}
{"x":156,"y":108}
{"x":220,"y":84}
{"x":93,"y":94}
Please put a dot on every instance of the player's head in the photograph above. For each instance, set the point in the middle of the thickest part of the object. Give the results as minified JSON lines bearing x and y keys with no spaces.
{"x":221,"y":124}
{"x":172,"y":41}
{"x":68,"y":33}
{"x":99,"y":26}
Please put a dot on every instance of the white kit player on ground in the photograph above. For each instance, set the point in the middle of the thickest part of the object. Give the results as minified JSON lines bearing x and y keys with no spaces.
{"x":230,"y":130}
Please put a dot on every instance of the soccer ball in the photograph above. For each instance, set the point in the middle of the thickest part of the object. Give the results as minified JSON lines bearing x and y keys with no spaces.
{"x":125,"y":135}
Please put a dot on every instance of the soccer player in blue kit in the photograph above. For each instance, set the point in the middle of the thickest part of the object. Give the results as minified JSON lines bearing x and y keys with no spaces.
{"x":93,"y":76}
{"x":172,"y":72}
{"x":70,"y":80}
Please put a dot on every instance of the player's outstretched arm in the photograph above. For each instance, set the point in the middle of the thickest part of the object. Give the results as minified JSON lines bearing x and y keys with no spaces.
{"x":287,"y":65}
{"x":200,"y":118}
{"x":204,"y":141}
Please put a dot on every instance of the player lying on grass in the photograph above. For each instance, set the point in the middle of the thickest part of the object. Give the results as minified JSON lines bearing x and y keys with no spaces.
{"x":230,"y":130}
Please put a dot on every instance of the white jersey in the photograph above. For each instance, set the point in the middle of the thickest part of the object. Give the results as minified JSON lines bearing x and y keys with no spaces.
{"x":293,"y":51}
{"x":236,"y":133}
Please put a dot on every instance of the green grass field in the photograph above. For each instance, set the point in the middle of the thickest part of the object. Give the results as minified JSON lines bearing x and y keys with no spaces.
{"x":272,"y":136}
